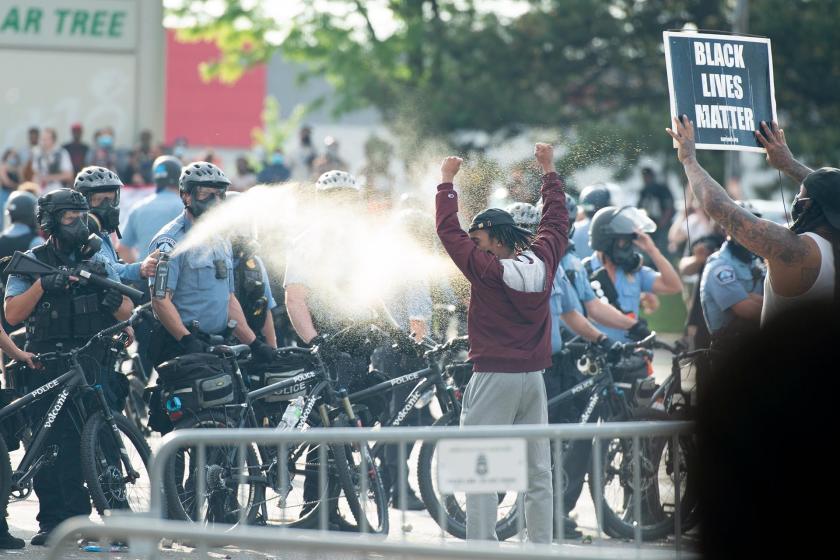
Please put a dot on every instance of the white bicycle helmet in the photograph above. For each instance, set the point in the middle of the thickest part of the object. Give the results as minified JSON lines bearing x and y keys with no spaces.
{"x":334,"y":180}
{"x":525,"y":215}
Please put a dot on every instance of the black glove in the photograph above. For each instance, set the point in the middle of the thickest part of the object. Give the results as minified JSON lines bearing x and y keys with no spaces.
{"x":55,"y":283}
{"x":639,"y":331}
{"x":261,"y":351}
{"x":190,"y":344}
{"x":325,"y":349}
{"x":611,"y":348}
{"x":112,"y":301}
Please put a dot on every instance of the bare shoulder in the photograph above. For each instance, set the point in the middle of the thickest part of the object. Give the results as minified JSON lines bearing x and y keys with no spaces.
{"x":793,"y":277}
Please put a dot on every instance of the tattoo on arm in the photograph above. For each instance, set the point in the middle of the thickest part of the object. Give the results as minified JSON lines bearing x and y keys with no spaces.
{"x":762,"y":237}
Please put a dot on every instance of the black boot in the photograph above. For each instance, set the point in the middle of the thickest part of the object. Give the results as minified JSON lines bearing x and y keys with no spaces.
{"x":412,"y":502}
{"x":8,"y":542}
{"x":40,"y":538}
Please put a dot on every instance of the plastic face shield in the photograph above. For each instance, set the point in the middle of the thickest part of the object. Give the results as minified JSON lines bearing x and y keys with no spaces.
{"x":639,"y":217}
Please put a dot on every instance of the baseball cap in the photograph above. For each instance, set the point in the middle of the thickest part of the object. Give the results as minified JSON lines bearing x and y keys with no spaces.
{"x":823,"y":185}
{"x":494,"y":217}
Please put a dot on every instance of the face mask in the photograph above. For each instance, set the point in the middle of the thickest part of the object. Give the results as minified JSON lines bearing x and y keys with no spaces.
{"x":805,"y":219}
{"x":108,"y":216}
{"x":73,"y":235}
{"x":798,"y":207}
{"x":626,"y":257}
{"x":106,"y":141}
{"x":277,"y":159}
{"x":740,"y":252}
{"x":199,"y":207}
{"x":13,"y":162}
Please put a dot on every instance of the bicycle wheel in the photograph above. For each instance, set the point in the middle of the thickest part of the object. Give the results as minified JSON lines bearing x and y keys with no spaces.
{"x":136,"y":409}
{"x":369,"y":509}
{"x":657,"y":489}
{"x":453,"y":506}
{"x":229,"y":481}
{"x":108,"y":483}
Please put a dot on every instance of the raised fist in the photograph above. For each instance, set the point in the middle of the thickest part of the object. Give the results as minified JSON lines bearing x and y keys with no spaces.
{"x":449,"y":168}
{"x":545,"y":156}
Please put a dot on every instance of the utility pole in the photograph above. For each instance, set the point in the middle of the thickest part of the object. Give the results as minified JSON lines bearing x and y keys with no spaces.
{"x":732,"y":161}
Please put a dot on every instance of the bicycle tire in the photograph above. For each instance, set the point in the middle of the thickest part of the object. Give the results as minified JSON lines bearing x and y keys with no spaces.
{"x":136,"y":408}
{"x":348,"y":470}
{"x":221,"y":489}
{"x":102,"y":466}
{"x":455,"y":518}
{"x":616,"y":462}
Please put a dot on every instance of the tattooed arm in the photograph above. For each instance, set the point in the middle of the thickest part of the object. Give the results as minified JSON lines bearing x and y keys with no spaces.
{"x":778,"y":153}
{"x":791,"y":259}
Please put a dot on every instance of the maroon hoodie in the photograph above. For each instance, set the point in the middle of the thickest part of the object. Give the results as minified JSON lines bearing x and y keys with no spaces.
{"x":509,"y":330}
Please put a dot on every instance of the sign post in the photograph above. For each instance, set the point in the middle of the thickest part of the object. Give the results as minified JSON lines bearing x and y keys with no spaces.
{"x":724,"y":83}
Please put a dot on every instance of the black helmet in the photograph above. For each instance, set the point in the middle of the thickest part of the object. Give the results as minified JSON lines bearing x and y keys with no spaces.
{"x":93,"y":179}
{"x":202,"y":174}
{"x":593,"y":198}
{"x":53,"y":203}
{"x":21,"y":208}
{"x":167,"y":171}
{"x":612,"y":222}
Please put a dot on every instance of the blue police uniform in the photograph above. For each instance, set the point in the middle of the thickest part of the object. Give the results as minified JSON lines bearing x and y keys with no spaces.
{"x":125,"y":272}
{"x":576,"y":274}
{"x":562,"y":300}
{"x":629,"y":287}
{"x":200,"y":279}
{"x":148,"y":217}
{"x":726,"y":281}
{"x":581,"y":238}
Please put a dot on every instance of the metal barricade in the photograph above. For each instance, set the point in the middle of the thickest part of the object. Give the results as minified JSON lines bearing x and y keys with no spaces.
{"x":148,"y":530}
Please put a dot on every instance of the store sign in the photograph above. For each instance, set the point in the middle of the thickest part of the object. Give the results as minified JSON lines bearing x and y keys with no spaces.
{"x":109,"y":25}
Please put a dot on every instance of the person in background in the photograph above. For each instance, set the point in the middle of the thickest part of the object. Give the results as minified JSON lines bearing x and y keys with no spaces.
{"x":592,"y":198}
{"x":103,"y":153}
{"x":274,"y":169}
{"x":11,"y":174}
{"x":52,"y":167}
{"x":77,"y":149}
{"x":33,"y":136}
{"x":304,"y":156}
{"x":656,"y":199}
{"x":144,"y":157}
{"x":330,"y":160}
{"x":245,"y":177}
{"x":691,"y":269}
{"x":22,"y":233}
{"x":376,"y":175}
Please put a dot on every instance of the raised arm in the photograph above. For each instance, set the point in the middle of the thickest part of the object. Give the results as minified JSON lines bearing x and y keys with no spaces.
{"x":553,"y":231}
{"x":781,"y":247}
{"x":778,"y":154}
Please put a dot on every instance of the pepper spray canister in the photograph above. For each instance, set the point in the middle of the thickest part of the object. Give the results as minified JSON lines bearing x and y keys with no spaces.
{"x":161,"y":276}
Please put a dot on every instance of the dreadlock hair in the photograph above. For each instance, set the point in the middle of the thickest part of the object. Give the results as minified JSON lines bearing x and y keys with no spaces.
{"x":814,"y":219}
{"x":511,"y":237}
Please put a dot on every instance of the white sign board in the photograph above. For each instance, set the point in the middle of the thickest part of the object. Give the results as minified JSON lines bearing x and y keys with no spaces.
{"x":482,"y":465}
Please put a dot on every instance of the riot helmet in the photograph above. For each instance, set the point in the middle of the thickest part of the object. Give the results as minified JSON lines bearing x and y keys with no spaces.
{"x":166,"y":171}
{"x":75,"y":234}
{"x":21,"y":207}
{"x":612,"y":232}
{"x":92,"y":180}
{"x":524,"y":215}
{"x":205,"y":183}
{"x":593,"y":198}
{"x":336,"y":180}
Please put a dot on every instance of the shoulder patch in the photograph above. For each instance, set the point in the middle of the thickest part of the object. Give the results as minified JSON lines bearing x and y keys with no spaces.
{"x":725,"y":275}
{"x":165,"y":244}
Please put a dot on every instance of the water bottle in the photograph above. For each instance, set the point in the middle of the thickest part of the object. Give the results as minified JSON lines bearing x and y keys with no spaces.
{"x":161,"y":276}
{"x":292,"y":415}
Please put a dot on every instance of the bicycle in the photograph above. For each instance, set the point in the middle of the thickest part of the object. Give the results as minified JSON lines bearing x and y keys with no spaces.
{"x":114,"y":454}
{"x":261,"y":473}
{"x":605,"y":401}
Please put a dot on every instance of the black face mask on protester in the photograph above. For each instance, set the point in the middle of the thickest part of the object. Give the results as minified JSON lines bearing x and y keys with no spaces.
{"x":805,"y":219}
{"x":626,"y":257}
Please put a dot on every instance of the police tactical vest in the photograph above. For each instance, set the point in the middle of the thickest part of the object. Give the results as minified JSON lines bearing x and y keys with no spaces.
{"x":69,"y":318}
{"x":250,"y":291}
{"x":602,"y":284}
{"x":8,"y":245}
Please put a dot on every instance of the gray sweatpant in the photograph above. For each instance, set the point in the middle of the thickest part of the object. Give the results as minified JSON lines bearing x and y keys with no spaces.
{"x":505,"y":399}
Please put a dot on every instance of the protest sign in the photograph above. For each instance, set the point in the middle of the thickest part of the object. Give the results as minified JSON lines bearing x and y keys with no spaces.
{"x":724,"y":83}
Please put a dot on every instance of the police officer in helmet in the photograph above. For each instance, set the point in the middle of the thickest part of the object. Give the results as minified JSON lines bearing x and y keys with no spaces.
{"x":592,"y":198}
{"x":50,"y":306}
{"x":22,"y":233}
{"x":198,"y":295}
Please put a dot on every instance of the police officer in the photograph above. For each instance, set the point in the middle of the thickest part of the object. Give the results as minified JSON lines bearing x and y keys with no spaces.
{"x":50,"y":307}
{"x":732,"y":290}
{"x":199,"y":287}
{"x":153,"y":212}
{"x":592,"y":198}
{"x":22,"y":233}
{"x":616,"y":272}
{"x":251,"y":284}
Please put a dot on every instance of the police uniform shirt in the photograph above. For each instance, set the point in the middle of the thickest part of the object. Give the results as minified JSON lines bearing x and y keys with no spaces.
{"x":147,"y":218}
{"x":18,"y":283}
{"x":19,"y":230}
{"x":726,"y":281}
{"x":629,"y":288}
{"x":197,"y":293}
{"x":581,"y":238}
{"x":266,"y":287}
{"x":576,"y":274}
{"x":125,"y":272}
{"x":562,"y":300}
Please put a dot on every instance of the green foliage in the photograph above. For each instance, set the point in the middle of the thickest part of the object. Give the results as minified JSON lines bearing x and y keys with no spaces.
{"x":275,"y":130}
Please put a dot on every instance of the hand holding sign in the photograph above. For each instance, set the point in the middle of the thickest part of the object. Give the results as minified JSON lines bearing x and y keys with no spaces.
{"x":772,"y":138}
{"x":683,"y":134}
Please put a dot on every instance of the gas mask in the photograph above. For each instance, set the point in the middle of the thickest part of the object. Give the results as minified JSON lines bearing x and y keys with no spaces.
{"x":77,"y":236}
{"x":627,"y":258}
{"x":107,"y":214}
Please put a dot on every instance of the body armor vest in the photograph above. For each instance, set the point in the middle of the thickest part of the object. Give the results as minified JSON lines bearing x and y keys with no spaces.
{"x":70,"y":318}
{"x":250,"y":291}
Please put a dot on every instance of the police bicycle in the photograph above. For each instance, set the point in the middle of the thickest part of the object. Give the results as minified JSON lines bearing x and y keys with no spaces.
{"x":277,"y":486}
{"x":114,"y":454}
{"x":605,"y":401}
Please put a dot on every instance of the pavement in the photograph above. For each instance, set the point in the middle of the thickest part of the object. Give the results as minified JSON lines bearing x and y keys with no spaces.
{"x":412,"y":526}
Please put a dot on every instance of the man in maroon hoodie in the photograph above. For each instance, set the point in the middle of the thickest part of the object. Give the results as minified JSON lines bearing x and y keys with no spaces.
{"x":509,"y":326}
